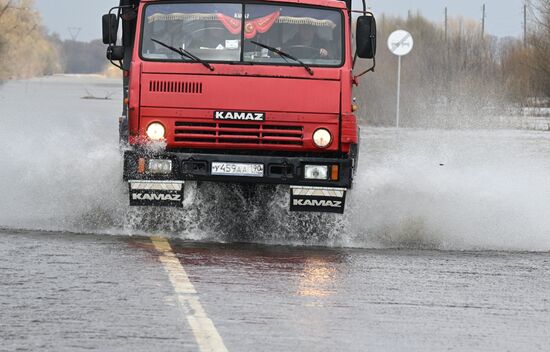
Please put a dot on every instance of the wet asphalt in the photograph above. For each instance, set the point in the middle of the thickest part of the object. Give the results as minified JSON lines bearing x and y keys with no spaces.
{"x":74,"y":292}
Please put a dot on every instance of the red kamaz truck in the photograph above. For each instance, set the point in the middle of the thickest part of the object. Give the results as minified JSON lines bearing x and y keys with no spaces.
{"x":239,"y":91}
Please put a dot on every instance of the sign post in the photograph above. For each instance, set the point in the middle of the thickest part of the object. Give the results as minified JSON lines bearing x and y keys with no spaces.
{"x":400,"y":44}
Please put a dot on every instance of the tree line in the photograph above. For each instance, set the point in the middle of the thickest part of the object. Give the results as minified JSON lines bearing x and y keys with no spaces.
{"x":457,"y":76}
{"x":24,"y":50}
{"x":27,"y":50}
{"x":80,"y":57}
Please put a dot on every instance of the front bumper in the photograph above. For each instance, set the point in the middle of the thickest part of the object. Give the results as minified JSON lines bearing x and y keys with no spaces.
{"x":288,"y":170}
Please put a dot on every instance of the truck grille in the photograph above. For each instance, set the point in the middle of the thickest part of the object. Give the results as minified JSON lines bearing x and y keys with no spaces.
{"x":238,"y":133}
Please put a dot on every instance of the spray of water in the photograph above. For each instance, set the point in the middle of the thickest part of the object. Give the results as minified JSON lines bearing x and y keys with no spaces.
{"x":61,"y":170}
{"x":457,"y":189}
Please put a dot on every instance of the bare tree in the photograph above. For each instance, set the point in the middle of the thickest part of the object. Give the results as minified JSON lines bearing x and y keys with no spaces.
{"x":5,"y":5}
{"x":452,"y":78}
{"x":540,"y":42}
{"x":24,"y":49}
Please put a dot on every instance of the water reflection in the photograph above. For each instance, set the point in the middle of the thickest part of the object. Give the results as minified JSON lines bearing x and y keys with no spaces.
{"x":317,"y":278}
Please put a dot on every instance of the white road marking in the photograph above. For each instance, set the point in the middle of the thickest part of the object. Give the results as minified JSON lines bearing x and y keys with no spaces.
{"x":206,"y":335}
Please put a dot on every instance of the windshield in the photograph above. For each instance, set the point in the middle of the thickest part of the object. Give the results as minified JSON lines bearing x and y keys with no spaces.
{"x":213,"y":32}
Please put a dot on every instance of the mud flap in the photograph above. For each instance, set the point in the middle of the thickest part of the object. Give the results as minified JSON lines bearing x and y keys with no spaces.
{"x":156,"y":193}
{"x":317,"y":199}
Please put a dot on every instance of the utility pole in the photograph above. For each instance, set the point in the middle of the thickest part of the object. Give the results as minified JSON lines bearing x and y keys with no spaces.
{"x":446,"y":24}
{"x":525,"y":24}
{"x":446,"y":56}
{"x":483,"y":23}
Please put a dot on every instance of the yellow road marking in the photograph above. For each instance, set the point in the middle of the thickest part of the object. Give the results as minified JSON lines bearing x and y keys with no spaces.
{"x":206,"y":335}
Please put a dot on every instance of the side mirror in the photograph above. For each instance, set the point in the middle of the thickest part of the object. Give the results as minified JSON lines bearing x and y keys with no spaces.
{"x":115,"y":53}
{"x":366,"y":37}
{"x":110,"y":29}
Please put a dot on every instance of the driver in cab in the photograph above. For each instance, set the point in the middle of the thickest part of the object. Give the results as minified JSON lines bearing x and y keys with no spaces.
{"x":306,"y":43}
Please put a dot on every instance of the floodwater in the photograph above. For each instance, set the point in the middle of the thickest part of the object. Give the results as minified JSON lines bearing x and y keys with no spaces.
{"x":445,"y":244}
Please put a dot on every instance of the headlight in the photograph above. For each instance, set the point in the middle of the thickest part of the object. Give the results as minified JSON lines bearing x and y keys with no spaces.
{"x":316,"y":172}
{"x":322,"y":138}
{"x":156,"y":131}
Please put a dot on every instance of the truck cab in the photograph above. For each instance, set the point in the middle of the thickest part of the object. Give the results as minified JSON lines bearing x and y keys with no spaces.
{"x":239,"y":92}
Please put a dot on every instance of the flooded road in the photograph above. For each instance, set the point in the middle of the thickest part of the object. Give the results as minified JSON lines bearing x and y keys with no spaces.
{"x":445,"y":244}
{"x":69,"y":292}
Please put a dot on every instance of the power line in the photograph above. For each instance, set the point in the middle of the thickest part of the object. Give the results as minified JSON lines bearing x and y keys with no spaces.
{"x":74,"y":32}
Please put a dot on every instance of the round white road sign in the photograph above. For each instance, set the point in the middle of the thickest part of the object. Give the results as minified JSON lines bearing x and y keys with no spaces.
{"x":400,"y":42}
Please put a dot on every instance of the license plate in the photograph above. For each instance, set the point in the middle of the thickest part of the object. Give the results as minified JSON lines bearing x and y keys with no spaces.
{"x":238,"y":169}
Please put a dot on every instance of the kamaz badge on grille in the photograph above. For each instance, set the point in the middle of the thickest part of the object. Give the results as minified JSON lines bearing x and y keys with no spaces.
{"x":239,"y":116}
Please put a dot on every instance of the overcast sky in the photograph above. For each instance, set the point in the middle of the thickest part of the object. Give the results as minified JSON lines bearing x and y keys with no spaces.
{"x":504,"y":17}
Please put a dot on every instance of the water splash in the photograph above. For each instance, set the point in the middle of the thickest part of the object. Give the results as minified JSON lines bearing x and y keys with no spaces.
{"x":456,"y":189}
{"x":61,"y":170}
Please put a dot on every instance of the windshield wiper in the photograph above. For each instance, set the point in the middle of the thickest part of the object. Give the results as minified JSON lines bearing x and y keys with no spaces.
{"x":185,"y":54}
{"x":283,"y":55}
